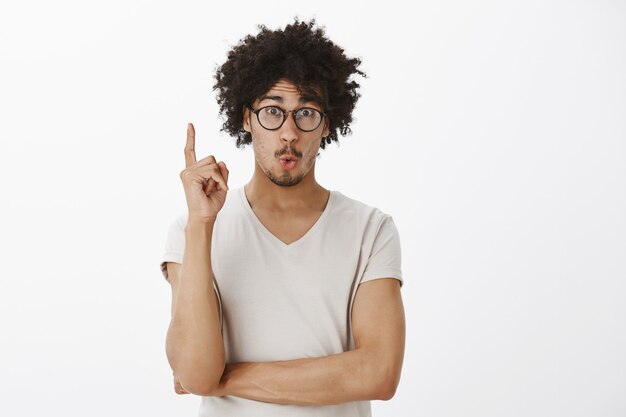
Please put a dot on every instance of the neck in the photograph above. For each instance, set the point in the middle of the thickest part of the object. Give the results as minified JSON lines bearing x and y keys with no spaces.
{"x":262,"y":193}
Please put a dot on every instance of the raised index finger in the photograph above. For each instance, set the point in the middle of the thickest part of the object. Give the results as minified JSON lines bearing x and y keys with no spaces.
{"x":190,"y":146}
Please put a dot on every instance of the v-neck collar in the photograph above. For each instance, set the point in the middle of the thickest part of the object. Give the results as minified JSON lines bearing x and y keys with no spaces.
{"x":269,"y":235}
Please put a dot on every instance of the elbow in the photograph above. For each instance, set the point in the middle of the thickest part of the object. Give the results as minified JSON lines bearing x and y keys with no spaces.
{"x":203,"y":388}
{"x":205,"y":383}
{"x":386,"y":383}
{"x":199,"y":377}
{"x":198,"y":373}
{"x":385,"y":392}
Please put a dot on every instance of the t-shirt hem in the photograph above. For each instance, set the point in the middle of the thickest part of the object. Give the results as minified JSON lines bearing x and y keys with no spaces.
{"x":170,"y":257}
{"x":383,"y":273}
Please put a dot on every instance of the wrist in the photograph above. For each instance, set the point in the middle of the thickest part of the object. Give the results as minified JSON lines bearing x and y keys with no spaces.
{"x":195,"y":223}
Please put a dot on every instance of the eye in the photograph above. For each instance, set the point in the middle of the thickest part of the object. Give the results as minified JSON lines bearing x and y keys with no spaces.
{"x":306,"y":113}
{"x":273,"y":111}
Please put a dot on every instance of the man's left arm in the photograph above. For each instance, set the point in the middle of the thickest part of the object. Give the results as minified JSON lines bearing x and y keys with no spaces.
{"x":369,"y":372}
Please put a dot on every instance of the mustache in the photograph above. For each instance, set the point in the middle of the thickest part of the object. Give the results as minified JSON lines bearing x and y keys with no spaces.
{"x":288,"y":150}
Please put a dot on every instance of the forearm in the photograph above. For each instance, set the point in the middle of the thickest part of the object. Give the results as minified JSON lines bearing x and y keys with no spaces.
{"x":345,"y":377}
{"x":194,"y":345}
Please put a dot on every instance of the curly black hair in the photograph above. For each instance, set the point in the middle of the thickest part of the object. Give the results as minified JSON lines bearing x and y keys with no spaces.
{"x":299,"y":53}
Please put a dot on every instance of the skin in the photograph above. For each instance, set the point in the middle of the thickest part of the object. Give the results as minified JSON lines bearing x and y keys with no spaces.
{"x":266,"y":142}
{"x":288,"y":203}
{"x":194,"y":345}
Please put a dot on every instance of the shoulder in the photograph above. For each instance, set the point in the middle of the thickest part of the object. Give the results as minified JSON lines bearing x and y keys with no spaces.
{"x":348,"y":209}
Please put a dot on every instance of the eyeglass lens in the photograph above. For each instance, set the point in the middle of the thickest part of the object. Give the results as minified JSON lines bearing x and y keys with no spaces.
{"x":273,"y":117}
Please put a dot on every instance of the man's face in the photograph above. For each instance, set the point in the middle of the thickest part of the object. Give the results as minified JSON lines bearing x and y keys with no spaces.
{"x":287,"y":154}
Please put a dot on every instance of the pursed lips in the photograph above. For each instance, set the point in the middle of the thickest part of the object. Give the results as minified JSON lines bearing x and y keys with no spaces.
{"x":288,"y":161}
{"x":288,"y":158}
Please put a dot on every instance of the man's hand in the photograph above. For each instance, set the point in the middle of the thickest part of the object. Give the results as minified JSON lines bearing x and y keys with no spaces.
{"x":205,"y":182}
{"x":177,"y":387}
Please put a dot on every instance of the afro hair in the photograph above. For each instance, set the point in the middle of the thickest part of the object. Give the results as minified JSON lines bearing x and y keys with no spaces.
{"x":299,"y":53}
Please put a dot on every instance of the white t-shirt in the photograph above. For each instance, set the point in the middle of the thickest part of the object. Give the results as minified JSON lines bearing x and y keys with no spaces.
{"x":283,"y":302}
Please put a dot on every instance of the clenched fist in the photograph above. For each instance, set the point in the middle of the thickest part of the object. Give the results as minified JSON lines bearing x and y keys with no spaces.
{"x":205,"y":182}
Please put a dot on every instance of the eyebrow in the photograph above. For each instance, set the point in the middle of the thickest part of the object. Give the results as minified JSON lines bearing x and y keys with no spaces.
{"x":302,"y":100}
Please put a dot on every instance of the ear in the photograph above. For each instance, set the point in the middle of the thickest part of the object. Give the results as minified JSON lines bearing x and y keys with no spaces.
{"x":326,"y":130}
{"x":246,"y":119}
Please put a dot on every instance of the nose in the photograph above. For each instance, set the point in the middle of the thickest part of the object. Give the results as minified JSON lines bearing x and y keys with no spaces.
{"x":289,"y":130}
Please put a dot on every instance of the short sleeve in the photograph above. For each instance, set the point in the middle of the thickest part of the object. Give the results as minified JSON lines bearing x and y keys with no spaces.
{"x":385,"y":256}
{"x":174,"y":243}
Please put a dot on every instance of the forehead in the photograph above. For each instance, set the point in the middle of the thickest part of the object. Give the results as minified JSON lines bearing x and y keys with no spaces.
{"x":286,"y":91}
{"x":284,"y":86}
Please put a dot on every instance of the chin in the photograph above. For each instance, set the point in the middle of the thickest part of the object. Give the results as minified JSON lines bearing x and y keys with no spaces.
{"x":285,"y":180}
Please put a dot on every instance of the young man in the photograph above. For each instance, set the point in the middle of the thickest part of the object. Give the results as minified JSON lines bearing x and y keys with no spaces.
{"x":285,"y":295}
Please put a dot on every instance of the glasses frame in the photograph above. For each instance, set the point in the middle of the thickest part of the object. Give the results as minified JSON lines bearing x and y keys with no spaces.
{"x":285,"y":112}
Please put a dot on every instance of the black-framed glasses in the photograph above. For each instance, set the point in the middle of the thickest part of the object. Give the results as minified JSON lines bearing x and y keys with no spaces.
{"x":307,"y":119}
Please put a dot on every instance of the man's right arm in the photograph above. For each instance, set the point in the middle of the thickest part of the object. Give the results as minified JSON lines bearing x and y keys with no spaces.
{"x":194,"y":344}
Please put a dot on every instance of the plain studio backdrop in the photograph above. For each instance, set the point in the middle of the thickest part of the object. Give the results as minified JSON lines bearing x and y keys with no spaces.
{"x":493,"y":132}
